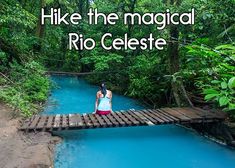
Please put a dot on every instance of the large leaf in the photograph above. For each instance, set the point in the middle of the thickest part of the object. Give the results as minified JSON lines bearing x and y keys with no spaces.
{"x":223,"y":101}
{"x":225,"y":47}
{"x":210,"y":91}
{"x":227,"y":66}
{"x":215,"y":81}
{"x":210,"y":96}
{"x":231,"y":106}
{"x":231,"y":83}
{"x":224,"y":85}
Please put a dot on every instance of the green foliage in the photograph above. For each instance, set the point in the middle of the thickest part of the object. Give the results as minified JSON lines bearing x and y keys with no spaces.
{"x":25,"y":88}
{"x":3,"y":61}
{"x":222,"y":92}
{"x":206,"y":51}
{"x":141,"y":84}
{"x":227,"y":50}
{"x":102,"y":62}
{"x":15,"y":25}
{"x":212,"y":73}
{"x":207,"y":64}
{"x":12,"y":13}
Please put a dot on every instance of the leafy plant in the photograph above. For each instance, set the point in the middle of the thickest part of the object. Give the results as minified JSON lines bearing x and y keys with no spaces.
{"x":25,"y":88}
{"x":222,"y":92}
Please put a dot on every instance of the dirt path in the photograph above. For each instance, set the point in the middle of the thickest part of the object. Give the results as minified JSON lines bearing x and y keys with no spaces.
{"x":20,"y":150}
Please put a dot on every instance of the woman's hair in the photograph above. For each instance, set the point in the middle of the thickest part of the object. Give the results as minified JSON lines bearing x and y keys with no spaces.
{"x":103,"y":89}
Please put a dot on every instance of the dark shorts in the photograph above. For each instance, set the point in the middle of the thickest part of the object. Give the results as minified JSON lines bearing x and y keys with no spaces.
{"x":100,"y":112}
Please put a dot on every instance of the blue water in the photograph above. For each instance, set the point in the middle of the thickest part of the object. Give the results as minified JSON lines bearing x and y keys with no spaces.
{"x":133,"y":147}
{"x":77,"y":96}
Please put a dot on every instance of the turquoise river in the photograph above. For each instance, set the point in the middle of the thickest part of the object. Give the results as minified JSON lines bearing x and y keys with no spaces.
{"x":166,"y":146}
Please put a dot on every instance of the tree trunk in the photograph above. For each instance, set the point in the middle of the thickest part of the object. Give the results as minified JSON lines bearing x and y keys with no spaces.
{"x":81,"y":7}
{"x":179,"y":92}
{"x":174,"y":49}
{"x":132,"y":9}
{"x":40,"y":30}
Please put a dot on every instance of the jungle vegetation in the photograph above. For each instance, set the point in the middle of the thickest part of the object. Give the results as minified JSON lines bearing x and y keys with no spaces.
{"x":197,"y":68}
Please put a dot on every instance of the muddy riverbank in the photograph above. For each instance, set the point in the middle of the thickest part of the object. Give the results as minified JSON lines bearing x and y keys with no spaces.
{"x":21,"y":150}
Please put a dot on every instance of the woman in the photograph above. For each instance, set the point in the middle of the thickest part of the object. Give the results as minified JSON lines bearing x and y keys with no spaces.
{"x":103,"y":104}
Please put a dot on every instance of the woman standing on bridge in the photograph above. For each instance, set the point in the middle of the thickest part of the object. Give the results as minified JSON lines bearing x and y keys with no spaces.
{"x":103,"y":103}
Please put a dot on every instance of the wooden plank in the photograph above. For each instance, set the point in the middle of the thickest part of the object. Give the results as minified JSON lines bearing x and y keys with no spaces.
{"x":130,"y":118}
{"x":88,"y":124}
{"x":75,"y":120}
{"x":34,"y":122}
{"x":49,"y":124}
{"x":203,"y":113}
{"x":42,"y":122}
{"x":72,"y":73}
{"x":114,"y":122}
{"x":158,"y":115}
{"x":176,"y":114}
{"x":65,"y":124}
{"x":159,"y":120}
{"x":57,"y":121}
{"x":143,"y":118}
{"x":154,"y":121}
{"x":168,"y":115}
{"x":164,"y":115}
{"x":94,"y":120}
{"x":106,"y":120}
{"x":26,"y":123}
{"x":100,"y":120}
{"x":188,"y":113}
{"x":126,"y":121}
{"x":72,"y":120}
{"x":206,"y":116}
{"x":133,"y":114}
{"x":120,"y":121}
{"x":124,"y":118}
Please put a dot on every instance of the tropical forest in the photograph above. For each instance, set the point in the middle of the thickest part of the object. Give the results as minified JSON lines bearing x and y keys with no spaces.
{"x":196,"y":67}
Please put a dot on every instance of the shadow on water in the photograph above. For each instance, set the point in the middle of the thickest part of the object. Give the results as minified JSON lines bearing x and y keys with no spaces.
{"x":132,"y":133}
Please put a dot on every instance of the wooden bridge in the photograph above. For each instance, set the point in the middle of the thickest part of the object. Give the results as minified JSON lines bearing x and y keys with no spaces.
{"x":146,"y":117}
{"x":76,"y":73}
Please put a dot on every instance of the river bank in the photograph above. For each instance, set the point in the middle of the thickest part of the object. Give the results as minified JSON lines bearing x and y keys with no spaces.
{"x":31,"y":150}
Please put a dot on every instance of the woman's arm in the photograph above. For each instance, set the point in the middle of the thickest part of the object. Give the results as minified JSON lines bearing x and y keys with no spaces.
{"x":111,"y":101}
{"x":96,"y":101}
